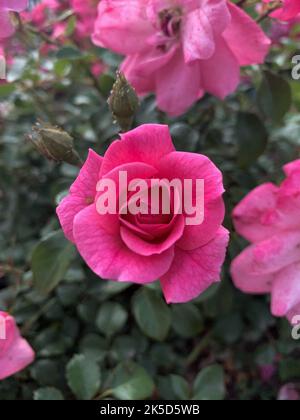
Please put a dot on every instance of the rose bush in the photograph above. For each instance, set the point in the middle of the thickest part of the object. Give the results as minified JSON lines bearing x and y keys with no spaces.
{"x":128,"y":339}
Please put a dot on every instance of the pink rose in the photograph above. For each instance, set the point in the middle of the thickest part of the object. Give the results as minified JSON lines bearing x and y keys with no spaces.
{"x":15,"y":352}
{"x":180,"y":49}
{"x":7,"y":6}
{"x":289,"y":10}
{"x":268,"y":217}
{"x":143,"y":248}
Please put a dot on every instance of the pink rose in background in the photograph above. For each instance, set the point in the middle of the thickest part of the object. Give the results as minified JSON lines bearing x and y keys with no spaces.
{"x":180,"y":49}
{"x":268,"y":217}
{"x":86,"y":12}
{"x":143,"y":248}
{"x":289,"y":10}
{"x":15,"y":353}
{"x":40,"y":13}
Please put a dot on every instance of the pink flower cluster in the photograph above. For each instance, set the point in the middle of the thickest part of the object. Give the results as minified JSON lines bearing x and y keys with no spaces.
{"x":49,"y":10}
{"x":15,"y":352}
{"x":180,"y":49}
{"x":289,"y":10}
{"x":143,"y":248}
{"x":268,"y":217}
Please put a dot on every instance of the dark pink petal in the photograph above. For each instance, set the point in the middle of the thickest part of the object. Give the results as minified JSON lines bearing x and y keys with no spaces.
{"x":183,"y":165}
{"x":192,"y":272}
{"x":143,"y":247}
{"x":136,"y":170}
{"x":82,"y":193}
{"x":108,"y":256}
{"x":145,"y":144}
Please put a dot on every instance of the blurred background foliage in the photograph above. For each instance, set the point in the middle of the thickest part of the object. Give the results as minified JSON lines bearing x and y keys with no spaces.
{"x":96,"y":339}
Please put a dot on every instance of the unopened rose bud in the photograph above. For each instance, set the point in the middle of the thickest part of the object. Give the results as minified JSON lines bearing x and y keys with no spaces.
{"x":55,"y":144}
{"x":123,"y":102}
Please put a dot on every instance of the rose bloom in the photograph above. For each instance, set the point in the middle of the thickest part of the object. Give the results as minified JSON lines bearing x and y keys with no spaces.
{"x":7,"y":6}
{"x":268,"y":217}
{"x":15,"y":353}
{"x":289,"y":10}
{"x":143,"y":248}
{"x":180,"y":49}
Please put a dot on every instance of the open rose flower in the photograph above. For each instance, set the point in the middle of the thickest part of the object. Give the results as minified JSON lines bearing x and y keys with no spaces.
{"x":142,"y":248}
{"x":269,"y":218}
{"x":15,"y":353}
{"x":7,"y":6}
{"x":180,"y":49}
{"x":289,"y":10}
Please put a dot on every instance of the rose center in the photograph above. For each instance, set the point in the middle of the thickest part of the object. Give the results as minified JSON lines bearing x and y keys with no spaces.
{"x":170,"y":22}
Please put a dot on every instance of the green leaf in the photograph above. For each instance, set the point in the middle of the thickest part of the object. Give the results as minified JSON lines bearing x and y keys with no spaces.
{"x":274,"y":96}
{"x":187,"y":320}
{"x":111,"y":318}
{"x":252,"y":138}
{"x":50,"y":261}
{"x":7,"y":89}
{"x":210,"y":384}
{"x":47,"y":394}
{"x":151,"y":314}
{"x":94,"y":347}
{"x":83,"y":376}
{"x":132,"y":382}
